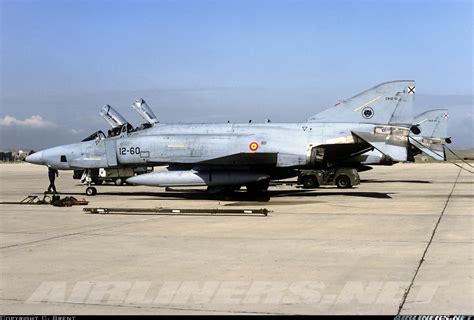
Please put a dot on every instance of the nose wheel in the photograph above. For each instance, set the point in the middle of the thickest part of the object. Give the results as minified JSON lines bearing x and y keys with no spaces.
{"x":91,"y":191}
{"x":87,"y":179}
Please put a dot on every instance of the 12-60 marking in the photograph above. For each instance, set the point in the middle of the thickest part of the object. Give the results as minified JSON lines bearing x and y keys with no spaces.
{"x":132,"y":150}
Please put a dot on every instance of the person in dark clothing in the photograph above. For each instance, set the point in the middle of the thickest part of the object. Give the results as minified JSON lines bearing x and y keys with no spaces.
{"x":52,"y":174}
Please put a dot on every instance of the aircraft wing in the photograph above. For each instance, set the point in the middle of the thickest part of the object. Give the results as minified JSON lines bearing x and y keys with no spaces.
{"x":243,"y":158}
{"x":329,"y":155}
{"x":260,"y":159}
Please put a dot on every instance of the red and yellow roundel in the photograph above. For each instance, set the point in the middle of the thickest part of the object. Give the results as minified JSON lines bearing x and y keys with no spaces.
{"x":253,"y":146}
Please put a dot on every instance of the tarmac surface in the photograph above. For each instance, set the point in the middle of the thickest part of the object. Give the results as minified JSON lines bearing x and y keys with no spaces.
{"x":402,"y":241}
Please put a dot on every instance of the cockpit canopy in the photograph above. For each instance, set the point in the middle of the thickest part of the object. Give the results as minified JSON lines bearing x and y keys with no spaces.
{"x":141,"y":107}
{"x":96,"y":135}
{"x":112,"y":116}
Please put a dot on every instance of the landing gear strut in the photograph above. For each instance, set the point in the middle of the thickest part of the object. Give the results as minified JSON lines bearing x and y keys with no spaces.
{"x":87,"y":180}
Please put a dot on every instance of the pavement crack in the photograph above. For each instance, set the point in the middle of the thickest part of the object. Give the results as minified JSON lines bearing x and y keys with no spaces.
{"x":67,"y":235}
{"x":146,"y":306}
{"x":407,"y":291}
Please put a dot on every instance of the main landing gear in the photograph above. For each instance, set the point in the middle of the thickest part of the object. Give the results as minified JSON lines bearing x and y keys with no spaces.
{"x":258,"y":187}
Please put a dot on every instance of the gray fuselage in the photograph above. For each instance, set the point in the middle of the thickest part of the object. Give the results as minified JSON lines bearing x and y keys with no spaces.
{"x":195,"y":144}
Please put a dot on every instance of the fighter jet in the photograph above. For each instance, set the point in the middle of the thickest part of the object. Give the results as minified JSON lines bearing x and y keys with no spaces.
{"x":229,"y":156}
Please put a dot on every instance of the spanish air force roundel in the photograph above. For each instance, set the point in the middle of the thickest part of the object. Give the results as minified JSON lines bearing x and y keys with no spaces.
{"x":253,"y":146}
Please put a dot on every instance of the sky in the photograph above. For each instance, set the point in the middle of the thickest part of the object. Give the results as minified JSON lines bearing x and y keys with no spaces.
{"x":213,"y":61}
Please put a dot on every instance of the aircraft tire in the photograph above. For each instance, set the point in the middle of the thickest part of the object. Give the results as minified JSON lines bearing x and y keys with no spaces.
{"x":258,"y":187}
{"x":343,"y":181}
{"x":91,"y":191}
{"x":118,"y":182}
{"x":310,"y":182}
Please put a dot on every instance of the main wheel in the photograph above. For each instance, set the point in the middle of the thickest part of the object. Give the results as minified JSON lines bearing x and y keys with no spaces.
{"x":343,"y":181}
{"x":91,"y":191}
{"x":258,"y":187}
{"x":220,"y":190}
{"x":310,"y":182}
{"x":118,"y":181}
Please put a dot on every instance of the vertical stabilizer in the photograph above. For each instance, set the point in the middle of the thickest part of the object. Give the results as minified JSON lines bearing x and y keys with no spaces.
{"x":387,"y":103}
{"x":433,"y":123}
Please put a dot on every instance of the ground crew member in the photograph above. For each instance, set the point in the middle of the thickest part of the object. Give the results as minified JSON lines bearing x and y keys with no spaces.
{"x":52,"y":174}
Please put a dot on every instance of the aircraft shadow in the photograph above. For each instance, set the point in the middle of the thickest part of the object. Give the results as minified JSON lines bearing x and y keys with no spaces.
{"x":320,"y":193}
{"x":244,"y":196}
{"x":195,"y":195}
{"x":394,"y":181}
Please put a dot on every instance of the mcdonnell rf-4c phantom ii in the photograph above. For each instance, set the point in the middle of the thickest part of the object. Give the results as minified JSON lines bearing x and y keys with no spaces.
{"x":228,"y":156}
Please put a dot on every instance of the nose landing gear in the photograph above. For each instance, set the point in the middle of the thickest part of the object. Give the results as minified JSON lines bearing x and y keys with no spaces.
{"x":87,"y":180}
{"x":91,"y":191}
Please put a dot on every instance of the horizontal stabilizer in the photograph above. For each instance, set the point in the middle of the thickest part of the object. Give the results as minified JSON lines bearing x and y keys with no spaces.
{"x":433,"y":150}
{"x":392,"y":146}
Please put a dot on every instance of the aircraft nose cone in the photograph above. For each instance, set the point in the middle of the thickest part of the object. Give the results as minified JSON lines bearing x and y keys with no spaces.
{"x":35,"y":158}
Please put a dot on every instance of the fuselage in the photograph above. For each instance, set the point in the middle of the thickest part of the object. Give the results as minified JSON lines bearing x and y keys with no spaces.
{"x":200,"y":143}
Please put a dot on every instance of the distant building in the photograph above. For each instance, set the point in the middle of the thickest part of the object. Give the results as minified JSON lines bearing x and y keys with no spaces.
{"x":13,"y":156}
{"x":6,"y":156}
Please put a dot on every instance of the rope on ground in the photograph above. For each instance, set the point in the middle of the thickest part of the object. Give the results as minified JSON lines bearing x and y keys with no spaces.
{"x":457,"y":156}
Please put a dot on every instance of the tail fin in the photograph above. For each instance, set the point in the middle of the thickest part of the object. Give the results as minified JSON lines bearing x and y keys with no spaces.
{"x":387,"y":103}
{"x":433,"y":123}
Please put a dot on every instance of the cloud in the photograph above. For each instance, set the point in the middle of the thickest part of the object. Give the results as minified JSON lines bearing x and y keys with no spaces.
{"x":34,"y":121}
{"x":35,"y":133}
